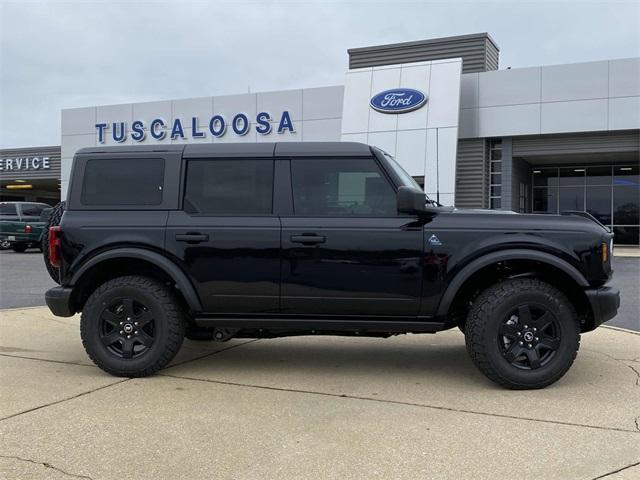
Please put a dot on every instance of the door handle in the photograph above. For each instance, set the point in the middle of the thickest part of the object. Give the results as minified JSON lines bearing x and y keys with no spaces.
{"x":192,"y":237}
{"x":308,"y":239}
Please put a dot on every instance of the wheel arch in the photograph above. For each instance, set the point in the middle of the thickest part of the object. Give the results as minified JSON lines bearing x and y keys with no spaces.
{"x":131,"y":260}
{"x":553,"y":269}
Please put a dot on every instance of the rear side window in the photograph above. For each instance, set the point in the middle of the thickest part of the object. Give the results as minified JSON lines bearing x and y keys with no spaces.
{"x":229,"y":187}
{"x":123,"y":181}
{"x":8,"y":209}
{"x":32,"y":209}
{"x":341,"y":187}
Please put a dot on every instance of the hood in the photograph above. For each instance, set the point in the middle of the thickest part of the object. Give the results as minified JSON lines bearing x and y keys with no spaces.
{"x":508,"y":220}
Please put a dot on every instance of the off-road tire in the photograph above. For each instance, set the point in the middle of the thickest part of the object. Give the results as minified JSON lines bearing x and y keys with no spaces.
{"x":169,"y":319}
{"x":484,"y":320}
{"x":54,"y":220}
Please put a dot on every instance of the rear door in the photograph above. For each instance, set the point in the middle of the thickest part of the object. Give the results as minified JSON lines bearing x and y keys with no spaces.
{"x":226,"y":236}
{"x":346,"y":251}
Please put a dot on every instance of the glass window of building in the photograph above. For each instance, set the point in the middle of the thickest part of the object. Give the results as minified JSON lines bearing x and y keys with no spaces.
{"x":610,"y":193}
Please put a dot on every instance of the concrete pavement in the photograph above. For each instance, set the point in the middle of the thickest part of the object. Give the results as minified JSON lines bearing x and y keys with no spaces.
{"x":310,"y":407}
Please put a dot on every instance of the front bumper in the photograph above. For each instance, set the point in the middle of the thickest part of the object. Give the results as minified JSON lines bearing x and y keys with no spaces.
{"x":59,"y":301}
{"x":604,"y":302}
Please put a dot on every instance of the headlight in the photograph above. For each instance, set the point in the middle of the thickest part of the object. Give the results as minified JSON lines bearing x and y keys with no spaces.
{"x":611,"y":247}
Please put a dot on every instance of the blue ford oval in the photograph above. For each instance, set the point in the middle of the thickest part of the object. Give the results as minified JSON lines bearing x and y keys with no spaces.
{"x":398,"y":100}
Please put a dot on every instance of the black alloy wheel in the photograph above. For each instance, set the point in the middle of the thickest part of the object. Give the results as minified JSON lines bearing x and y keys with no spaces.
{"x":529,"y":337}
{"x":127,"y":328}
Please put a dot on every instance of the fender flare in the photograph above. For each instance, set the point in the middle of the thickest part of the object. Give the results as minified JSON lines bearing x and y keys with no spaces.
{"x":512,"y":254}
{"x":170,"y":268}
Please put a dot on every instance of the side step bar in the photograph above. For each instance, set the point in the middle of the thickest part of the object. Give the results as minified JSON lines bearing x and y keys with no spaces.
{"x":388,"y":326}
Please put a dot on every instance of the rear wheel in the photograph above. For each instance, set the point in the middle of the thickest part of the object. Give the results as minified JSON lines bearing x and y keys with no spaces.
{"x":132,"y":326}
{"x":19,"y":248}
{"x":522,"y":333}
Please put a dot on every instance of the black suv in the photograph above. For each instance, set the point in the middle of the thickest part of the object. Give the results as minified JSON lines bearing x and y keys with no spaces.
{"x":267,"y":240}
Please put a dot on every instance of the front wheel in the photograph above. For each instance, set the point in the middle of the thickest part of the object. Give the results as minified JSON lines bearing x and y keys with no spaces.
{"x":522,"y":333}
{"x":132,"y":326}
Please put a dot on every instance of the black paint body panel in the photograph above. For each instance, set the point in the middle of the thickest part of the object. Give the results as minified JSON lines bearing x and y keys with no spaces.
{"x":393,"y":269}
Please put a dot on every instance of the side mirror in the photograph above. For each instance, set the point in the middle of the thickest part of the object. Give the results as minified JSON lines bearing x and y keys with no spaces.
{"x":411,"y":200}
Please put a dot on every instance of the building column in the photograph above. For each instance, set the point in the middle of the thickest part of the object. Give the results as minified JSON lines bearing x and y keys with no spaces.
{"x":507,"y":175}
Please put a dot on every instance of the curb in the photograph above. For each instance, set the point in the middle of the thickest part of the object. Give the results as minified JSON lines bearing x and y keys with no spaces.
{"x":13,"y":309}
{"x":620,"y":329}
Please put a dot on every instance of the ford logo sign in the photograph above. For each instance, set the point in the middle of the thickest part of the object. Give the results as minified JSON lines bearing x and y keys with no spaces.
{"x":398,"y":100}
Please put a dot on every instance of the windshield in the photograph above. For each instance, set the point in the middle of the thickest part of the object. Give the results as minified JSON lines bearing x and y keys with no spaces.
{"x":405,"y":178}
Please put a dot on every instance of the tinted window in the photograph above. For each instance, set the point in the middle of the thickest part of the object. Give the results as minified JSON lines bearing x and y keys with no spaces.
{"x":543,"y":177}
{"x":545,"y":200}
{"x":571,"y":198}
{"x":599,"y":203}
{"x":341,"y":187}
{"x":229,"y":187}
{"x":598,"y":175}
{"x":626,"y":205}
{"x":32,"y":209}
{"x":123,"y":181}
{"x":8,"y":209}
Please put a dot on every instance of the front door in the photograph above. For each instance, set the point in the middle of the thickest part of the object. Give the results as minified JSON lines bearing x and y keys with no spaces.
{"x":346,"y":251}
{"x":226,"y":236}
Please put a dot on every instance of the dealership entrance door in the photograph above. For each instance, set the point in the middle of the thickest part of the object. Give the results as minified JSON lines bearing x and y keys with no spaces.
{"x":611,"y":193}
{"x":598,"y":173}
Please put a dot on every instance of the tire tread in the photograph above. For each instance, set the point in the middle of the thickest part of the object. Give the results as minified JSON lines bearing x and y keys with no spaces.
{"x":172,"y":311}
{"x":475,"y":328}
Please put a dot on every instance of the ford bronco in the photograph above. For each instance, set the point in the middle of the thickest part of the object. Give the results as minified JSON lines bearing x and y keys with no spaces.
{"x":224,"y":241}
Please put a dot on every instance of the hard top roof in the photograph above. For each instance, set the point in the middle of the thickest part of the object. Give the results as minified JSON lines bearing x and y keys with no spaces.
{"x":277,"y":149}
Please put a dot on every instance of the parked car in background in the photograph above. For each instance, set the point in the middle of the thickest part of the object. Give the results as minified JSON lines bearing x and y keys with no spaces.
{"x":21,"y":226}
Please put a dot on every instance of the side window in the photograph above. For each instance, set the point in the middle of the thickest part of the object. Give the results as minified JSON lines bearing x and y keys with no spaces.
{"x":8,"y":211}
{"x":123,"y":181}
{"x":229,"y":187}
{"x":341,"y":187}
{"x":32,"y":209}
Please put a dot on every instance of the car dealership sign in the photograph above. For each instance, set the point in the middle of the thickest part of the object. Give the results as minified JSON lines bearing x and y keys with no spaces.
{"x":23,"y":164}
{"x":398,"y":100}
{"x":216,"y":126}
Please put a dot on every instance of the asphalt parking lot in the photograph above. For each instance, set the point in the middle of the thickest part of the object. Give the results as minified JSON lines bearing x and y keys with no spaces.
{"x":23,"y":281}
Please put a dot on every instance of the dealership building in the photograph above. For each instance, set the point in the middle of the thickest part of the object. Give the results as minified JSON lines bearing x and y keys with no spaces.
{"x":30,"y":174}
{"x":539,"y":139}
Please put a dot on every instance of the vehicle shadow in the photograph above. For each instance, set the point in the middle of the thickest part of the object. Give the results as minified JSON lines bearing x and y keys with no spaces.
{"x":417,"y":359}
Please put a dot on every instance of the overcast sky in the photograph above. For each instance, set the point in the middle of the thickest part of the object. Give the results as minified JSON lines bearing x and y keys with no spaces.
{"x":57,"y":55}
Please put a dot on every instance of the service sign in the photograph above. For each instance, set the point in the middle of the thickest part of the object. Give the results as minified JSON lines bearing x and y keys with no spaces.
{"x":398,"y":100}
{"x":24,"y":164}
